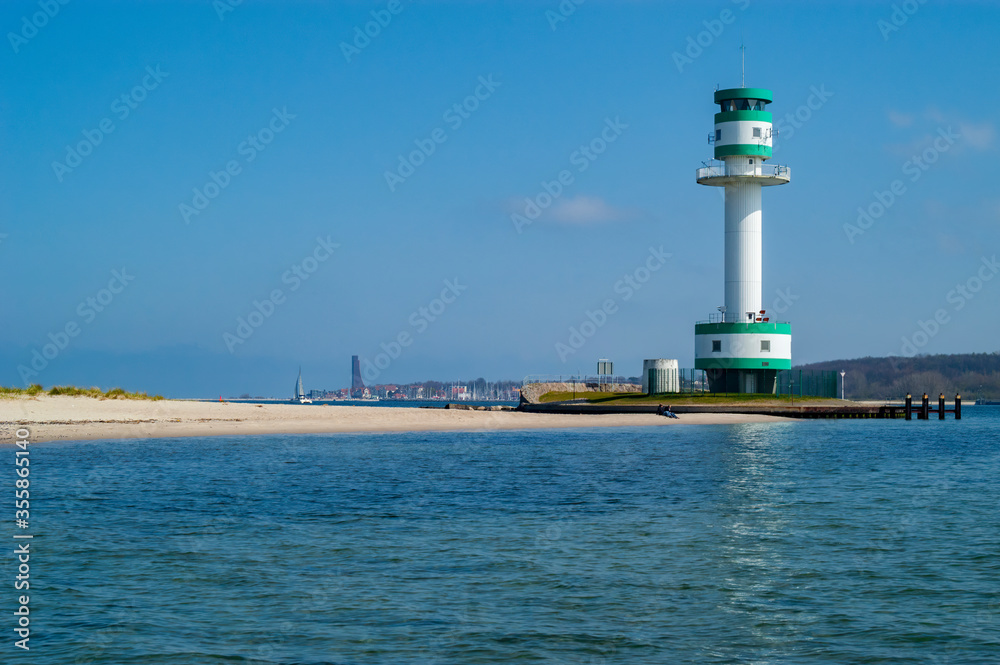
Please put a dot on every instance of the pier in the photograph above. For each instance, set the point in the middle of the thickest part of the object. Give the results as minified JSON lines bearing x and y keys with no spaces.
{"x":855,"y":411}
{"x":786,"y":411}
{"x":924,"y":411}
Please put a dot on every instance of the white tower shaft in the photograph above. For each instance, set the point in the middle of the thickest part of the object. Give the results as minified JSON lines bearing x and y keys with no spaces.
{"x":743,"y":243}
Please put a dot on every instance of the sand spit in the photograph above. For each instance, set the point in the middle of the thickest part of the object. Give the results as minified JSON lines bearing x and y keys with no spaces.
{"x":62,"y":418}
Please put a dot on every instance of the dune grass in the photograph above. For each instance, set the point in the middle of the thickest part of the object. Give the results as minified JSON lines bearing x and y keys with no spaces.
{"x":113,"y":393}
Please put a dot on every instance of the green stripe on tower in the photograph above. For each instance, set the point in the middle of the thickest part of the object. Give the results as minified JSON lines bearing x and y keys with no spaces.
{"x":775,"y":328}
{"x":731,"y":116}
{"x":744,"y":93}
{"x":742,"y":363}
{"x":743,"y":149}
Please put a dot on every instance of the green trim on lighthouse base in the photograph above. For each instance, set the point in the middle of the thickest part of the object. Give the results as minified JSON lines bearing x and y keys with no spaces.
{"x":743,"y":363}
{"x":777,"y":328}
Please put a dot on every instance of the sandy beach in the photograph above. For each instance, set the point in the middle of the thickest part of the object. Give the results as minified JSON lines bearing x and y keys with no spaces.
{"x":74,"y":418}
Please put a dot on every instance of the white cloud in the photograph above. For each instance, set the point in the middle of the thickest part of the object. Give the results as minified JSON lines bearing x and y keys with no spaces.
{"x":900,"y":119}
{"x":585,"y":210}
{"x":935,"y":115}
{"x":577,"y":210}
{"x":926,"y":127}
{"x":950,"y":244}
{"x":979,"y":136}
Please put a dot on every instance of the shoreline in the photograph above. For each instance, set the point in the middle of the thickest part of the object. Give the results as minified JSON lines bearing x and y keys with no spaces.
{"x":61,"y":418}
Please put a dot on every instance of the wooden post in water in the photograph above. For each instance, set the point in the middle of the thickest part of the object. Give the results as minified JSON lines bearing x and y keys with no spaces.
{"x":958,"y":407}
{"x":909,"y":406}
{"x":925,"y":408}
{"x":941,"y":406}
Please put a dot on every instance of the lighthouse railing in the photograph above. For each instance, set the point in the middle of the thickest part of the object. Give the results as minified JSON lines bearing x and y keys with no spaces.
{"x":717,"y":318}
{"x":718,"y":170}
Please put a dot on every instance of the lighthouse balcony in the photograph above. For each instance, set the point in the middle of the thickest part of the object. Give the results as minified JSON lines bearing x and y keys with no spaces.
{"x":720,"y":174}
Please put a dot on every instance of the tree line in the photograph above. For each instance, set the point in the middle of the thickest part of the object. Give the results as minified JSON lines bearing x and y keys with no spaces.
{"x":972,"y":375}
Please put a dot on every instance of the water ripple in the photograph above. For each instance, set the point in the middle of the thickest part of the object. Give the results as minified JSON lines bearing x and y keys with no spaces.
{"x":799,"y":543}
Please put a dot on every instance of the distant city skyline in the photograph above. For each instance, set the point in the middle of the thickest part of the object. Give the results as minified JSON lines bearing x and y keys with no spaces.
{"x":198,"y":198}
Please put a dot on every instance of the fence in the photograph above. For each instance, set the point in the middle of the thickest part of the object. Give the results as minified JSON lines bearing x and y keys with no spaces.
{"x":797,"y":382}
{"x":808,"y":383}
{"x":592,"y":381}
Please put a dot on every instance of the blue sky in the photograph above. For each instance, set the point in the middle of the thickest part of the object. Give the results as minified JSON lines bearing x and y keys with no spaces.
{"x":309,"y":130}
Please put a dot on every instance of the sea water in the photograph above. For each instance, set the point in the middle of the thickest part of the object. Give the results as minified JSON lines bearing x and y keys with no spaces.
{"x":795,"y":542}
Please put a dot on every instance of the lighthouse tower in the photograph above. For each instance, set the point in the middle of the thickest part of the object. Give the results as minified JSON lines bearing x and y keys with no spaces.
{"x":742,"y":348}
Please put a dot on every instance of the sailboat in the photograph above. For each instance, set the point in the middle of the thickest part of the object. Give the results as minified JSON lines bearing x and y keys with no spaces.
{"x":300,"y":393}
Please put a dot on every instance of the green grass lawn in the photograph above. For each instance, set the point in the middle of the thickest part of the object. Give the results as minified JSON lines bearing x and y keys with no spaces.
{"x":682,"y":398}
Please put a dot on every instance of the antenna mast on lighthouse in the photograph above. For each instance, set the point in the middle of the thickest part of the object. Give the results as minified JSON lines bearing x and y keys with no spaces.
{"x":743,"y":65}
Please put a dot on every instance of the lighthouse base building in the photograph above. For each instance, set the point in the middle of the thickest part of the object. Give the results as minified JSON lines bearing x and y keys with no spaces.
{"x":742,"y":349}
{"x":743,"y":357}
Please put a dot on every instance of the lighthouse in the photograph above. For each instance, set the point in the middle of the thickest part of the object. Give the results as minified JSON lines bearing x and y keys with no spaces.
{"x":742,"y":348}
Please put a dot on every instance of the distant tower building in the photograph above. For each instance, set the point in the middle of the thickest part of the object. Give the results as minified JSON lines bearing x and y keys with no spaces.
{"x":742,"y":349}
{"x":357,"y":385}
